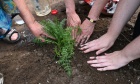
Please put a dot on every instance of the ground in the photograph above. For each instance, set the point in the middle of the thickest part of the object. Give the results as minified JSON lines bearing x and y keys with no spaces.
{"x":29,"y":63}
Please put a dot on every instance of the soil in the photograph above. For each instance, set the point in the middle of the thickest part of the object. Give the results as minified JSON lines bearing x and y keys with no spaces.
{"x":29,"y":63}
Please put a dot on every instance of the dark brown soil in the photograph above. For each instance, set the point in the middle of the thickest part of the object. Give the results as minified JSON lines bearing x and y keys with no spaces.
{"x":28,"y":63}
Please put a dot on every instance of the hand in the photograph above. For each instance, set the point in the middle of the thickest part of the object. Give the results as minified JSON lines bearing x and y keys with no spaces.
{"x":110,"y":61}
{"x":73,"y":20}
{"x":87,"y":29}
{"x":102,"y":44}
{"x":38,"y":31}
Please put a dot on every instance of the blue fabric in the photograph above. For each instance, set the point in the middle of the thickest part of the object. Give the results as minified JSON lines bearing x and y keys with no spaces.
{"x":7,"y":7}
{"x":5,"y":21}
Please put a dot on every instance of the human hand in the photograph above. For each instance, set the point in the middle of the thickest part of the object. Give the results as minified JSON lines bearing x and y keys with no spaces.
{"x":110,"y":61}
{"x":87,"y":28}
{"x":101,"y":44}
{"x":38,"y":31}
{"x":73,"y":20}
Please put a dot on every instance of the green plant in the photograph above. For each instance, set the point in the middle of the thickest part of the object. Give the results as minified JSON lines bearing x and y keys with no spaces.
{"x":64,"y":48}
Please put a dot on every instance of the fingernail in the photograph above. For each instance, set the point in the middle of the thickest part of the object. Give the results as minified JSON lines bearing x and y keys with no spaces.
{"x":93,"y":58}
{"x":97,"y":54}
{"x":81,"y":45}
{"x":87,"y":61}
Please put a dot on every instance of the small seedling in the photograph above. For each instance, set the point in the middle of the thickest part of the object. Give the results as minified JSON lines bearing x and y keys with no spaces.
{"x":64,"y":44}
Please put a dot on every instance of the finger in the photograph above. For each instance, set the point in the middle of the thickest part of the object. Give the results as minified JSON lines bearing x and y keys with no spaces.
{"x":93,"y":48}
{"x":87,"y":39}
{"x":106,"y":54}
{"x":100,"y":65}
{"x":83,"y":40}
{"x":90,"y":49}
{"x":43,"y":35}
{"x":47,"y":36}
{"x":78,"y":39}
{"x":71,"y":24}
{"x":73,"y":35}
{"x":101,"y":51}
{"x":91,"y":58}
{"x":96,"y":61}
{"x":106,"y":68}
{"x":97,"y":58}
{"x":91,"y":43}
{"x":85,"y":47}
{"x":79,"y":23}
{"x":74,"y":24}
{"x":101,"y":57}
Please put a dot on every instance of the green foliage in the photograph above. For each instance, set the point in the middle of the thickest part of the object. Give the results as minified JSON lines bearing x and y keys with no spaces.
{"x":64,"y":48}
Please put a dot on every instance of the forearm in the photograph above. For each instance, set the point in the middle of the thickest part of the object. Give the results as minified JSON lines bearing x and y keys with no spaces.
{"x":70,"y":6}
{"x":124,"y":12}
{"x":132,"y":50}
{"x":97,"y":8}
{"x":25,"y":13}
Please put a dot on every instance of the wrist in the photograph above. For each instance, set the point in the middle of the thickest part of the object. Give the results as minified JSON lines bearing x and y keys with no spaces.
{"x":89,"y":23}
{"x":91,"y":20}
{"x":34,"y":24}
{"x":31,"y":24}
{"x":70,"y":11}
{"x":126,"y":55}
{"x":111,"y":37}
{"x":93,"y":17}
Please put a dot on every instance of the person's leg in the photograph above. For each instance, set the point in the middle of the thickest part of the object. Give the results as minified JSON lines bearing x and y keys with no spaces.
{"x":6,"y":32}
{"x":137,"y":27}
{"x":5,"y":22}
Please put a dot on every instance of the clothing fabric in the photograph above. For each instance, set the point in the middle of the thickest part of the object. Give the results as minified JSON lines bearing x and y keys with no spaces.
{"x":136,"y":32}
{"x":109,"y":8}
{"x":7,"y":8}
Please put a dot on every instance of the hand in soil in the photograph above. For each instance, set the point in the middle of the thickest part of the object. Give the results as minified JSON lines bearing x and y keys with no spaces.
{"x":102,"y":44}
{"x":110,"y":61}
{"x":38,"y":31}
{"x":87,"y":28}
{"x":73,"y":20}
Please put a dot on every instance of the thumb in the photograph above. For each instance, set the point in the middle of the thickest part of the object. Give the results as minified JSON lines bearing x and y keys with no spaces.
{"x":44,"y":35}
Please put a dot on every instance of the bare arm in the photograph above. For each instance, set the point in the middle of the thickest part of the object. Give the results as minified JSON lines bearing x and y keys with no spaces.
{"x":70,"y":6}
{"x":132,"y":50}
{"x":97,"y":8}
{"x":29,"y":19}
{"x":25,"y":13}
{"x":73,"y":20}
{"x":87,"y":27}
{"x":124,"y":11}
